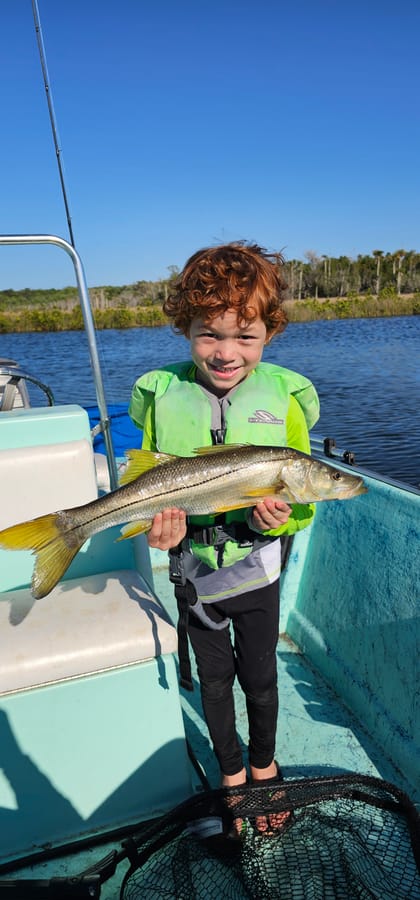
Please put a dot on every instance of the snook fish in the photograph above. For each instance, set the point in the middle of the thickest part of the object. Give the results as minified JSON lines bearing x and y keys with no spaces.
{"x":214,"y":480}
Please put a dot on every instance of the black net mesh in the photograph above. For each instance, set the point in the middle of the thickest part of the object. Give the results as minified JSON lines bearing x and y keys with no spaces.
{"x":344,"y":837}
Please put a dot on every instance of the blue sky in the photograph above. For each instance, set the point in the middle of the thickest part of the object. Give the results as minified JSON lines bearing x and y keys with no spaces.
{"x":188,"y":123}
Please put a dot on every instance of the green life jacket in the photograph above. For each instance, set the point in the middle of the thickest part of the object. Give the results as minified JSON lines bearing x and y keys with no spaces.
{"x":256,"y":415}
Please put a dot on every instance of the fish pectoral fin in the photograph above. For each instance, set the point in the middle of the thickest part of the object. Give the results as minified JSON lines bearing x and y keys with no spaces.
{"x":223,"y":509}
{"x":268,"y":491}
{"x":279,"y":491}
{"x":251,"y":496}
{"x":217,"y":448}
{"x":133,"y":528}
{"x":140,"y":461}
{"x":240,"y":503}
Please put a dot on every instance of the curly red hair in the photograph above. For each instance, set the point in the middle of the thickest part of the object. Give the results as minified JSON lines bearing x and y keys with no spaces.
{"x":240,"y":276}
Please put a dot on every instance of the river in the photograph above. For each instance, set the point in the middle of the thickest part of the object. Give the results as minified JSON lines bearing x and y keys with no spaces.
{"x":366,"y":371}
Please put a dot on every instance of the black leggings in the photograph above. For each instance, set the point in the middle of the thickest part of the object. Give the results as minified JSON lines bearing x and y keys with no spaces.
{"x":252,"y":658}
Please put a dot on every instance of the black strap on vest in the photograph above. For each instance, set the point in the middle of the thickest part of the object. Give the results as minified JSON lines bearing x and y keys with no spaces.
{"x":185,"y":595}
{"x":217,"y":534}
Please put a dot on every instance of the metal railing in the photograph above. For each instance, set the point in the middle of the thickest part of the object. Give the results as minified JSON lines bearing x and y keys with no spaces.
{"x":85,"y":305}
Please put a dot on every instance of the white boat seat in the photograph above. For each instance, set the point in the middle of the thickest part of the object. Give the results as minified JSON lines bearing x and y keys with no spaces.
{"x":107,"y":616}
{"x":83,"y":626}
{"x":89,"y":694}
{"x":38,"y":480}
{"x":90,"y":623}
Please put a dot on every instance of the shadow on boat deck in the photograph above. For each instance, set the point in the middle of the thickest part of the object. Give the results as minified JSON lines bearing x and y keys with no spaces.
{"x":317,"y":734}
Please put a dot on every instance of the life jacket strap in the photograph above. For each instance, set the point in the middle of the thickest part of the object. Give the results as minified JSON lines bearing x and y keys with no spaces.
{"x":216,"y":535}
{"x":184,"y":594}
{"x":186,"y":597}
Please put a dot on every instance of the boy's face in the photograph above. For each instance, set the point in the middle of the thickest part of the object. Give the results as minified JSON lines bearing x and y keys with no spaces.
{"x":226,"y":351}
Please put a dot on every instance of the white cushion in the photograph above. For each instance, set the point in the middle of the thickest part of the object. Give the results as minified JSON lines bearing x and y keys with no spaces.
{"x":38,"y":480}
{"x":84,"y":625}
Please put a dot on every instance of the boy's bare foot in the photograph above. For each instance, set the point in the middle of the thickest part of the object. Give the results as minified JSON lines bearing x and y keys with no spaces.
{"x":275,"y":822}
{"x":230,"y":781}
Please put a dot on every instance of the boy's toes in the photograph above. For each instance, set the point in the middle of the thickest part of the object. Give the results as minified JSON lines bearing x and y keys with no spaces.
{"x":279,"y":821}
{"x":261,"y":824}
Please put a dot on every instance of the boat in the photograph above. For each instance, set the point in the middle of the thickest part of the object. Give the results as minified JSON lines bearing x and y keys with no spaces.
{"x":99,"y":742}
{"x":108,"y":784}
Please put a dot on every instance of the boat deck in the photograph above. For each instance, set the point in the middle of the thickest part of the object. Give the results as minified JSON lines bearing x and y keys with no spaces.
{"x":317,"y":735}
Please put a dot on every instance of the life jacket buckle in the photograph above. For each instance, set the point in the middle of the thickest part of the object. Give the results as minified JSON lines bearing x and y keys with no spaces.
{"x":176,"y":566}
{"x":217,"y":535}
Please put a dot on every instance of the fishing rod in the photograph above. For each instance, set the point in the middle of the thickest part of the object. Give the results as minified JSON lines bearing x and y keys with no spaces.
{"x":43,"y":58}
{"x":105,"y":421}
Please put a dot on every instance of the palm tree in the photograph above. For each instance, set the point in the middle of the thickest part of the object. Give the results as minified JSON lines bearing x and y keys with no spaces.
{"x":327,"y":273}
{"x":399,"y":255}
{"x":411,"y":261}
{"x":343,"y":272}
{"x":378,"y":254}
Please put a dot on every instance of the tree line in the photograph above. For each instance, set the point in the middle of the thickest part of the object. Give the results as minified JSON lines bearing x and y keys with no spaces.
{"x":324,"y":276}
{"x":317,"y":276}
{"x":319,"y":287}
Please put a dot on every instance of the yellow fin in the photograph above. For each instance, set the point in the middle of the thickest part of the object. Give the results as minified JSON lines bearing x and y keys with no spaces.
{"x":134,"y":528}
{"x":268,"y":491}
{"x":51,"y":563}
{"x":140,"y":461}
{"x":44,"y":538}
{"x":30,"y":535}
{"x":218,"y":448}
{"x":250,"y":497}
{"x":241,"y":503}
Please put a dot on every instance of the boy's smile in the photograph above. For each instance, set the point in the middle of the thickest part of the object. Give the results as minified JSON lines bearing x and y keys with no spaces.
{"x":226,"y":351}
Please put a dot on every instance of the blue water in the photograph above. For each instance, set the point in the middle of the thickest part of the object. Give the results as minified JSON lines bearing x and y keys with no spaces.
{"x":366,"y":371}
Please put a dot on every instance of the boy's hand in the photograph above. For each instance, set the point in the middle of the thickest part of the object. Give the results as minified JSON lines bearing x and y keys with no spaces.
{"x":270,"y":513}
{"x":168,"y":529}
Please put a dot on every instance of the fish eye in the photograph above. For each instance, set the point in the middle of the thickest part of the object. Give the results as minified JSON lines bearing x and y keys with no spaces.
{"x":336,"y":476}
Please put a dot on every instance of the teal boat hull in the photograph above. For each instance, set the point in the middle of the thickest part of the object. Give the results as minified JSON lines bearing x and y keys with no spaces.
{"x":96,"y":733}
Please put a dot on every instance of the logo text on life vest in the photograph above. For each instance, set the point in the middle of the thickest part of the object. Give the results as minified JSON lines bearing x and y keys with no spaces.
{"x":262,"y":415}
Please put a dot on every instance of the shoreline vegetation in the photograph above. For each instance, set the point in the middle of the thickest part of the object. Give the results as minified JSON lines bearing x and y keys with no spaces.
{"x":53,"y":314}
{"x":320,"y":288}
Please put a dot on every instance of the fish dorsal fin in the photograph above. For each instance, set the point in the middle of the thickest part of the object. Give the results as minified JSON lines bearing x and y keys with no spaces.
{"x":218,"y":448}
{"x":140,"y":461}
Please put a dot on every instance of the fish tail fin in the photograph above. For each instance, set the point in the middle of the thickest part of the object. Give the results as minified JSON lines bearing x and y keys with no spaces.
{"x":43,"y":537}
{"x":30,"y":535}
{"x":51,"y":564}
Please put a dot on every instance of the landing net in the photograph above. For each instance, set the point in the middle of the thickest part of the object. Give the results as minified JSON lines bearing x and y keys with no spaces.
{"x":346,"y":837}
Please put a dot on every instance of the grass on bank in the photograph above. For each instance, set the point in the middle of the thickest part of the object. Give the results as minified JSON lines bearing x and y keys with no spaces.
{"x":67,"y":316}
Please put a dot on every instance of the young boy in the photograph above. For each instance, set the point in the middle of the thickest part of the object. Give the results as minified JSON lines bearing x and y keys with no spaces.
{"x":228,"y":302}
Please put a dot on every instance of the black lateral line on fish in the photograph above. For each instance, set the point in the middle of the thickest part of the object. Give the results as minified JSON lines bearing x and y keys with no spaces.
{"x":148,"y":499}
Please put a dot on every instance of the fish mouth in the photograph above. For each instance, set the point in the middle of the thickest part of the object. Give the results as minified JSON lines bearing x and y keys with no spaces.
{"x":357,"y":489}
